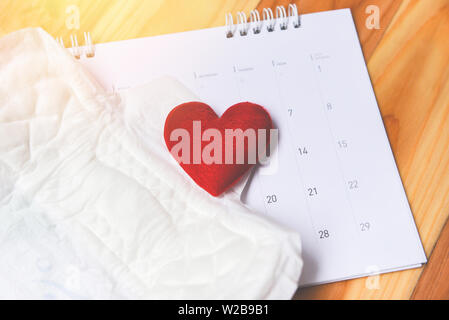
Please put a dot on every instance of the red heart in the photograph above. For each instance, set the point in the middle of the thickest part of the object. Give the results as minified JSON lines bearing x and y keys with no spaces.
{"x":215,"y":177}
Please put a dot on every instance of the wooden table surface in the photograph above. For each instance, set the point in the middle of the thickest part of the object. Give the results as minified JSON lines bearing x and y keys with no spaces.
{"x":408,"y":60}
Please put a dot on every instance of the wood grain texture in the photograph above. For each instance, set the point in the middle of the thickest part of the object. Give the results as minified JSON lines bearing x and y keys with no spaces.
{"x":112,"y":20}
{"x":408,"y":63}
{"x":434,"y":282}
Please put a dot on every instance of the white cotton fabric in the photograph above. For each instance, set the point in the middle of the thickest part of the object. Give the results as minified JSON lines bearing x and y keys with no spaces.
{"x":93,"y":207}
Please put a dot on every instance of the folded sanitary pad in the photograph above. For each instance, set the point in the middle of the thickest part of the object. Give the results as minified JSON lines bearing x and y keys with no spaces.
{"x":92,"y":206}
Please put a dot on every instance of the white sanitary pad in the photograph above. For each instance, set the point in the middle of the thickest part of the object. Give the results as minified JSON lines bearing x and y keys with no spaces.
{"x":93,"y":206}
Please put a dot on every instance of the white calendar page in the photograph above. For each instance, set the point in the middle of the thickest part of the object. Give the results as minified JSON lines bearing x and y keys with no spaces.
{"x":335,"y":179}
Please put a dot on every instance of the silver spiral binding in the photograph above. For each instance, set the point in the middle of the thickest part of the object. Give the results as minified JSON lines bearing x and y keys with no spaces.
{"x":230,"y":28}
{"x":283,"y":17}
{"x":77,"y":51}
{"x":293,"y":14}
{"x":60,"y":41}
{"x":243,"y":23}
{"x":268,"y":17}
{"x":88,"y":45}
{"x":255,"y":21}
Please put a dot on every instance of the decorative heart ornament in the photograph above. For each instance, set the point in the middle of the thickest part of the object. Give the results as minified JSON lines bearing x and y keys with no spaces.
{"x":217,"y":151}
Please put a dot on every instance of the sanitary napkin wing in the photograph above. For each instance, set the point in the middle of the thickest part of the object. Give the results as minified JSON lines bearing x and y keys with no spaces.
{"x":93,"y":206}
